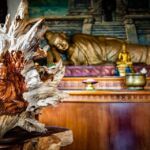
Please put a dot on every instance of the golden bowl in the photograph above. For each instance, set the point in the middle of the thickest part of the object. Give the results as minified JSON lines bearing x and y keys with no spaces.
{"x":135,"y":81}
{"x":89,"y":83}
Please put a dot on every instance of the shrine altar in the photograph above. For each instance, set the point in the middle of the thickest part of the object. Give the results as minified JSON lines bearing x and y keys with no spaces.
{"x":109,"y":117}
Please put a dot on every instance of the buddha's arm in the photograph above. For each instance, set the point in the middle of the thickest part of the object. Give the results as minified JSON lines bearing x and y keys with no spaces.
{"x":120,"y":56}
{"x":49,"y":58}
{"x":53,"y":56}
{"x":56,"y":54}
{"x":129,"y":58}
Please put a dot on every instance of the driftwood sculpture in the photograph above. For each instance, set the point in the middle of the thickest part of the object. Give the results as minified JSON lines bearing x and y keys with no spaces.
{"x":22,"y":91}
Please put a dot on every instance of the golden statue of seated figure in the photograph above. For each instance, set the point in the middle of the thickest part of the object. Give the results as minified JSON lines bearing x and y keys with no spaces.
{"x":124,"y":56}
{"x":83,"y":49}
{"x":124,"y":61}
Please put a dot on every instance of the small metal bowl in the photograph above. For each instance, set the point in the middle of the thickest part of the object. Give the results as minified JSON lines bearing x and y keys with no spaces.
{"x":89,"y":83}
{"x":135,"y":81}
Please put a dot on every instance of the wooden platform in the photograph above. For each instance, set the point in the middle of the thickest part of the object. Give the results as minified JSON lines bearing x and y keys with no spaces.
{"x":103,"y":119}
{"x":121,"y":96}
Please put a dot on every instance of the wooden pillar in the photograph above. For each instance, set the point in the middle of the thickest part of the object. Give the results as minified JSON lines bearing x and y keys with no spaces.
{"x":96,"y":9}
{"x":131,"y":31}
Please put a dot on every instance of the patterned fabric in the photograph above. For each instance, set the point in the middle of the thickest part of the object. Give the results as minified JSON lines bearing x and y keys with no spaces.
{"x":98,"y":71}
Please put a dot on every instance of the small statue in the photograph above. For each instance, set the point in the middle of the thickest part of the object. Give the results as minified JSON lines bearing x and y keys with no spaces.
{"x":83,"y":49}
{"x":124,"y":63}
{"x":124,"y":57}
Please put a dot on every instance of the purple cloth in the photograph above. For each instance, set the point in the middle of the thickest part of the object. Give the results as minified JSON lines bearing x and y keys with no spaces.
{"x":98,"y":71}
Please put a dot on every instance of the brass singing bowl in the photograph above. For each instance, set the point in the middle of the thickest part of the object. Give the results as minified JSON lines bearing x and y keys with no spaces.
{"x":135,"y":81}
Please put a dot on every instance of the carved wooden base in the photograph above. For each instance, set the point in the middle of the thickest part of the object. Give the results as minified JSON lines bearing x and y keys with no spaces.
{"x":108,"y":96}
{"x":75,"y":83}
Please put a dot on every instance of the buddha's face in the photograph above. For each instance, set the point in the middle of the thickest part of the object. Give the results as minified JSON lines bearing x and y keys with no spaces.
{"x":61,"y":43}
{"x":3,"y":71}
{"x":59,"y":40}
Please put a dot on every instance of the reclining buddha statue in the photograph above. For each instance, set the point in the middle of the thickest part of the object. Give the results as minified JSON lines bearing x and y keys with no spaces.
{"x":83,"y":49}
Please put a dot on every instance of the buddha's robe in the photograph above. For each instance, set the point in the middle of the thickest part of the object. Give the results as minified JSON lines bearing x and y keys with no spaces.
{"x":91,"y":50}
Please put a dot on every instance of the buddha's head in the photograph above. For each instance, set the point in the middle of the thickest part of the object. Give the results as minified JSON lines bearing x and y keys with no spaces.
{"x":124,"y":48}
{"x":59,"y":40}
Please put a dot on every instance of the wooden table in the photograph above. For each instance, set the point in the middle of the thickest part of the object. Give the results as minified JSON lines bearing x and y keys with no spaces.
{"x":104,"y":119}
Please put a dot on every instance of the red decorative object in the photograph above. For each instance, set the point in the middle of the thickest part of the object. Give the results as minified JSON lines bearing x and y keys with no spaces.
{"x":12,"y":83}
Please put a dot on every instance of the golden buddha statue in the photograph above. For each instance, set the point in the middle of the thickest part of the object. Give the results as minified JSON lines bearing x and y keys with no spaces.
{"x":124,"y":60}
{"x":124,"y":57}
{"x":84,"y":49}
